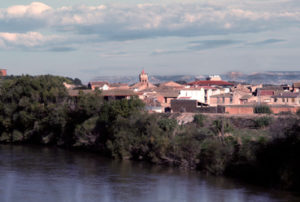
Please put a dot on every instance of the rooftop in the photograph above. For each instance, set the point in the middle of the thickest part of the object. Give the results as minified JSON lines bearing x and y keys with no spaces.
{"x":286,"y":95}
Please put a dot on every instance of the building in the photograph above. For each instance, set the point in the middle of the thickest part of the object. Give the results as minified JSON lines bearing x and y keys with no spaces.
{"x":193,"y":93}
{"x":118,"y":94}
{"x":215,"y":82}
{"x":192,"y":106}
{"x":296,"y":87}
{"x":232,"y":98}
{"x":214,"y":78}
{"x":264,"y":96}
{"x":171,"y":84}
{"x":118,"y":86}
{"x":101,"y":85}
{"x":286,"y":98}
{"x":3,"y":72}
{"x":143,"y":83}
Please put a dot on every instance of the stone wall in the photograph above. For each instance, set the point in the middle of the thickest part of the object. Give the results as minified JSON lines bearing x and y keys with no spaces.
{"x":191,"y":106}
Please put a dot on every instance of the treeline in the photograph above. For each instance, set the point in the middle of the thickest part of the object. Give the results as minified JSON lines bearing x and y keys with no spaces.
{"x":39,"y":110}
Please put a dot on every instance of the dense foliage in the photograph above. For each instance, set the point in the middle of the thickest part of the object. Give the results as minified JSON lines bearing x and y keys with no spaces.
{"x":39,"y":110}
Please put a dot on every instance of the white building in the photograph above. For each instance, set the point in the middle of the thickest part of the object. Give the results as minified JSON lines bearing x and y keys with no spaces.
{"x":201,"y":94}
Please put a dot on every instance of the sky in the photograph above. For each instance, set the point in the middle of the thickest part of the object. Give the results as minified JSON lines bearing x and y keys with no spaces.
{"x":91,"y":38}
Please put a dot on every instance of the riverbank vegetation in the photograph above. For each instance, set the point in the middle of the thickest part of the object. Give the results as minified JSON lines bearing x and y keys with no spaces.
{"x":262,"y":149}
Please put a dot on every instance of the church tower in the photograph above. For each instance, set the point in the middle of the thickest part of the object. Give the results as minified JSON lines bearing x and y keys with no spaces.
{"x":143,"y":77}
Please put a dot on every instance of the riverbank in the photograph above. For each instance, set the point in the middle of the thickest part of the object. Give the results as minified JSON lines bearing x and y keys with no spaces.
{"x":262,"y":150}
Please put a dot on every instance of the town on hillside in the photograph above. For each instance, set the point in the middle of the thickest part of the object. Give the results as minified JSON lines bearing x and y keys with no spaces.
{"x":212,"y":95}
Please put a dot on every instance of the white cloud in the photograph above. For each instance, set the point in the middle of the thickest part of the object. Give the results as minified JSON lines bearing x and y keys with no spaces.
{"x":35,"y":9}
{"x":119,"y":22}
{"x":25,"y":40}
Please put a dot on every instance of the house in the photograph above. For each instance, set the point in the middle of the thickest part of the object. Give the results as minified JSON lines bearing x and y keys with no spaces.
{"x":241,"y":87}
{"x":118,"y":86}
{"x":215,"y":82}
{"x":168,"y":96}
{"x":247,"y":99}
{"x":287,"y":98}
{"x":264,"y":96}
{"x":193,"y":93}
{"x":296,"y":87}
{"x":101,"y":85}
{"x":222,"y":99}
{"x":232,"y":98}
{"x":152,"y":103}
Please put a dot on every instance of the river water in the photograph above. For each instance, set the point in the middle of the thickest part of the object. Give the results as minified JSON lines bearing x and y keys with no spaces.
{"x":39,"y":174}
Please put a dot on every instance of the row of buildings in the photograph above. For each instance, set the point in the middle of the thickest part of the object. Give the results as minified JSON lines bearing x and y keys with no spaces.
{"x":212,"y":95}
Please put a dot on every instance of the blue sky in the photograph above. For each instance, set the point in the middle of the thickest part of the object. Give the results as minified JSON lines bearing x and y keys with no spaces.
{"x":93,"y":38}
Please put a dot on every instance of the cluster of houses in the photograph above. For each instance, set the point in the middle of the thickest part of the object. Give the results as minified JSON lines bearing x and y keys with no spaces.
{"x":212,"y":95}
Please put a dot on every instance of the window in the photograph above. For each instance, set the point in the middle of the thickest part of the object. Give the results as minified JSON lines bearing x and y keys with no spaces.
{"x":231,"y":99}
{"x":293,"y":100}
{"x":275,"y":99}
{"x":223,"y":99}
{"x":283,"y":100}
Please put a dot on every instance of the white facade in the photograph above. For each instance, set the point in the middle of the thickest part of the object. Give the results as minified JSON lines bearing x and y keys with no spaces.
{"x":193,"y":94}
{"x":200,"y":94}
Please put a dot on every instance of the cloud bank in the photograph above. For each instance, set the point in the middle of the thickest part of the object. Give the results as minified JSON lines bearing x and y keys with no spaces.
{"x":37,"y":24}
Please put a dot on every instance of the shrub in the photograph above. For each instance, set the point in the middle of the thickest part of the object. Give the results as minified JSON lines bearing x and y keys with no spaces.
{"x":262,"y":121}
{"x":199,"y":119}
{"x":262,"y":109}
{"x":298,"y":112}
{"x":215,"y":156}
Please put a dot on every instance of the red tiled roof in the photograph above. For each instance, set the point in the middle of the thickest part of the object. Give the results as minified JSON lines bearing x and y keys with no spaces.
{"x":211,"y":83}
{"x":183,"y":98}
{"x":266,"y":92}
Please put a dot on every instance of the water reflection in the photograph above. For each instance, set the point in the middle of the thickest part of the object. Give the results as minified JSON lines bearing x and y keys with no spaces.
{"x":52,"y":174}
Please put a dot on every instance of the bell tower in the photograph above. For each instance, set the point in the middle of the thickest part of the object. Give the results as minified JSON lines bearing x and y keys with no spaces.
{"x":143,"y":77}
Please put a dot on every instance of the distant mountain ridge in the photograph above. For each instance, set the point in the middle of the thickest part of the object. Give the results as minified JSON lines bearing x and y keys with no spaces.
{"x":269,"y":77}
{"x":152,"y":78}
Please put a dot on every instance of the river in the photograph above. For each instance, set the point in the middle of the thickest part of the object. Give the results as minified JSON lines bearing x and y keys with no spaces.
{"x":43,"y":174}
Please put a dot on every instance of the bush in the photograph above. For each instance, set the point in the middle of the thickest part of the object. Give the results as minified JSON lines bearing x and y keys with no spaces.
{"x":215,"y":156}
{"x":298,"y":112}
{"x":199,"y":119}
{"x":262,"y":109}
{"x":262,"y":121}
